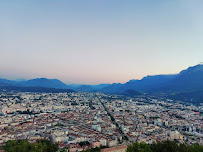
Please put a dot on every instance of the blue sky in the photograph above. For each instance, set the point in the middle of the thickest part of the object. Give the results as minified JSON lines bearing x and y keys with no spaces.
{"x":99,"y":41}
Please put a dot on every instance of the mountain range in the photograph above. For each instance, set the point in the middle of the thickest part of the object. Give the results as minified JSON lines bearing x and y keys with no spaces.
{"x":35,"y":85}
{"x":188,"y":80}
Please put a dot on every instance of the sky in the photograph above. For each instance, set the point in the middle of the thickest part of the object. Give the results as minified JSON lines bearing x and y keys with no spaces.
{"x":99,"y":41}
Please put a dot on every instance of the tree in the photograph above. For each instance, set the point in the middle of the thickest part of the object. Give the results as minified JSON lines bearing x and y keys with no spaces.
{"x":25,"y":146}
{"x":165,"y":146}
{"x":19,"y":146}
{"x":183,"y":148}
{"x":138,"y":147}
{"x":195,"y":148}
{"x":46,"y":146}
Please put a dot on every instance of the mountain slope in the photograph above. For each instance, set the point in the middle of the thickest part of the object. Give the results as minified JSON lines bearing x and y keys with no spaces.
{"x":189,"y":79}
{"x":149,"y":82}
{"x":146,"y":83}
{"x":131,"y":93}
{"x":5,"y":82}
{"x":43,"y":82}
{"x":194,"y":97}
{"x":114,"y":88}
{"x":34,"y":89}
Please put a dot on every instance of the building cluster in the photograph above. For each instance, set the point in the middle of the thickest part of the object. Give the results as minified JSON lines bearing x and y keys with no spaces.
{"x":88,"y":120}
{"x":150,"y":120}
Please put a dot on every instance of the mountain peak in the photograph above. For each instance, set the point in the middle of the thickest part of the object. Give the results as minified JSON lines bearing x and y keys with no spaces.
{"x":40,"y":79}
{"x":192,"y":69}
{"x":44,"y":82}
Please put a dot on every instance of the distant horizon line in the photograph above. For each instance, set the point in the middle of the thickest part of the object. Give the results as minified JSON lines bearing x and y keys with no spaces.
{"x":24,"y":79}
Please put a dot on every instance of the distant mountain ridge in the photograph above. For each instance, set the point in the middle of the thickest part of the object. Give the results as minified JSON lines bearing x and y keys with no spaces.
{"x":35,"y":85}
{"x":43,"y":82}
{"x":35,"y":89}
{"x":50,"y":83}
{"x":5,"y":82}
{"x":190,"y":79}
{"x":145,"y":84}
{"x":38,"y":82}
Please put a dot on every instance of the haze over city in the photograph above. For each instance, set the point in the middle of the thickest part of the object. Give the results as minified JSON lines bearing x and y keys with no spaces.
{"x":92,"y":42}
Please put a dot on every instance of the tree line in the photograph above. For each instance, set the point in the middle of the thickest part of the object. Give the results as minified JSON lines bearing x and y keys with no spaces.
{"x":23,"y":145}
{"x":164,"y":146}
{"x":44,"y":145}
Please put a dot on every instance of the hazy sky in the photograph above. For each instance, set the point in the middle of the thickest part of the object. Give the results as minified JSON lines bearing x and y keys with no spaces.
{"x":99,"y":41}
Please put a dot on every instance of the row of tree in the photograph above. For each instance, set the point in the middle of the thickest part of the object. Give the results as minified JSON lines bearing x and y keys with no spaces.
{"x":96,"y":149}
{"x":47,"y":146}
{"x":164,"y":146}
{"x":25,"y":146}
